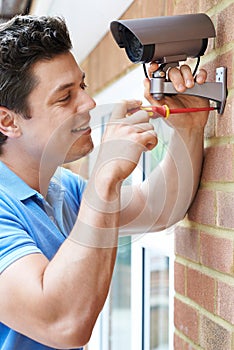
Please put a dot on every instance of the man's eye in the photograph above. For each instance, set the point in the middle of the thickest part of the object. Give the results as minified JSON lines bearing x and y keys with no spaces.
{"x":65,"y":98}
{"x":83,"y":86}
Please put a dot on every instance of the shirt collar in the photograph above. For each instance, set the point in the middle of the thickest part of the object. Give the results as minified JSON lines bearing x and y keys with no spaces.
{"x":14,"y":185}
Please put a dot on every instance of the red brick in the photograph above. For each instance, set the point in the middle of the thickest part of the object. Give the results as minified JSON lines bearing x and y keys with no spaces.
{"x":225,"y":301}
{"x":225,"y":26}
{"x":203,"y":208}
{"x":210,"y":67}
{"x":205,"y":5}
{"x":188,"y":346}
{"x":178,"y":343}
{"x":179,"y":278}
{"x":225,"y":60}
{"x":225,"y":209}
{"x":217,"y":252}
{"x":225,"y":122}
{"x":170,"y":7}
{"x":185,"y":6}
{"x":213,"y":160}
{"x":187,"y":242}
{"x":213,"y":336}
{"x":210,"y":125}
{"x":201,"y":289}
{"x":186,"y":320}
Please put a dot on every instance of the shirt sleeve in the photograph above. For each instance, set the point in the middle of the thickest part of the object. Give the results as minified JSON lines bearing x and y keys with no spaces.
{"x":15,"y":242}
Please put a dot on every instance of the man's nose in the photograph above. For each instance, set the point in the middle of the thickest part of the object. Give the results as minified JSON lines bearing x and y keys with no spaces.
{"x":92,"y":102}
{"x":87,"y":102}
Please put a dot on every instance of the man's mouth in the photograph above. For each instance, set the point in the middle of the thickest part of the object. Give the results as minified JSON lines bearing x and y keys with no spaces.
{"x":83,"y":129}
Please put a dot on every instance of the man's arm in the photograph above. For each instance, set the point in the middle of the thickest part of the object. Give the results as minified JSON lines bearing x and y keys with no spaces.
{"x":57,"y":302}
{"x":164,"y":197}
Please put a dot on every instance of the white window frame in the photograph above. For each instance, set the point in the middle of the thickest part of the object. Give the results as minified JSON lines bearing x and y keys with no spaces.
{"x":163,"y":245}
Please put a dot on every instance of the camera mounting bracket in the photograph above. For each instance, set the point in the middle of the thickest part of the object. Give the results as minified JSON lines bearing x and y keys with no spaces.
{"x":216,"y":91}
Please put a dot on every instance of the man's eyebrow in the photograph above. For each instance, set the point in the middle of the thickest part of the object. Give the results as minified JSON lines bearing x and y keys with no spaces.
{"x":62,"y":88}
{"x":66,"y":86}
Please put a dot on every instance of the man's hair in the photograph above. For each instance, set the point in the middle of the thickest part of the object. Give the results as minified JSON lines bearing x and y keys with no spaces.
{"x":24,"y":40}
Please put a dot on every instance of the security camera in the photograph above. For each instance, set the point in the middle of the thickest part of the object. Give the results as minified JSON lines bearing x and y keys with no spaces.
{"x":168,"y":40}
{"x":163,"y":39}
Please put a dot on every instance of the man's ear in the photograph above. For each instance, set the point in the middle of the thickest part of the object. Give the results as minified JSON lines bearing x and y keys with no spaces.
{"x":9,"y":123}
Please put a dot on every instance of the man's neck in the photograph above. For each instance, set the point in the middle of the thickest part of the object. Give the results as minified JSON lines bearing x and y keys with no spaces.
{"x":35,"y":175}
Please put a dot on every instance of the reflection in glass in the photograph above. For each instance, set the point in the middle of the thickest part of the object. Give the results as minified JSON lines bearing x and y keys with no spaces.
{"x":159,"y":302}
{"x":120,"y":303}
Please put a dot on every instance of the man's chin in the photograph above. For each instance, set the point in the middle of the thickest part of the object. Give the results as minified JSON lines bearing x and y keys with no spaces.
{"x":72,"y":156}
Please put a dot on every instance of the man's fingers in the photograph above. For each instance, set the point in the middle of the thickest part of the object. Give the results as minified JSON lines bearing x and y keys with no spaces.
{"x":187,"y":76}
{"x":121,"y":109}
{"x":138,"y":117}
{"x":201,"y":76}
{"x":150,"y":139}
{"x":142,"y":127}
{"x":182,"y":77}
{"x":177,"y":79}
{"x":152,"y":68}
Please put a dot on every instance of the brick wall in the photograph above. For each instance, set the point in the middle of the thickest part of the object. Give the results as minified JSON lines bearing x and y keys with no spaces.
{"x":204,"y":241}
{"x":204,"y":267}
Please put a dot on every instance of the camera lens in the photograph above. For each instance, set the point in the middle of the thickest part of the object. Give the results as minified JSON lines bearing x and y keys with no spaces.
{"x":137,"y":52}
{"x":133,"y":46}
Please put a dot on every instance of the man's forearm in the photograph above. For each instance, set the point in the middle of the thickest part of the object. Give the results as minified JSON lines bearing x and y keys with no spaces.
{"x":80,"y":273}
{"x":174,"y":184}
{"x":164,"y":197}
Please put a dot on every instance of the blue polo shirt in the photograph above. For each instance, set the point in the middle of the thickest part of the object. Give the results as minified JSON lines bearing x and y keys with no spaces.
{"x":30,"y":224}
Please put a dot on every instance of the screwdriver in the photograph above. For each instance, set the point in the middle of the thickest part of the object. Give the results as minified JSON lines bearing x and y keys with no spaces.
{"x":164,"y":111}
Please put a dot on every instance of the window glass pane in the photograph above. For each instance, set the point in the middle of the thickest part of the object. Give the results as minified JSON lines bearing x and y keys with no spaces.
{"x":159,"y":302}
{"x":120,"y":305}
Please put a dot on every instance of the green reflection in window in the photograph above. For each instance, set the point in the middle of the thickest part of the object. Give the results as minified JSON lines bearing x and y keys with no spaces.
{"x":120,"y":302}
{"x":159,"y":303}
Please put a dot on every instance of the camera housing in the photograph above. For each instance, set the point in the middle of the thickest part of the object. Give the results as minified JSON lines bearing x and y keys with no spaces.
{"x":163,"y":39}
{"x":167,"y":41}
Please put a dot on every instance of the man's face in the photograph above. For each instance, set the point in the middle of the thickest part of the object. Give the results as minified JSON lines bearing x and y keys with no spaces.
{"x":59,"y":108}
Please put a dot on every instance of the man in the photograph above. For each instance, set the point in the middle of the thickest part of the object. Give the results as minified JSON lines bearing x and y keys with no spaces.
{"x":58,"y":235}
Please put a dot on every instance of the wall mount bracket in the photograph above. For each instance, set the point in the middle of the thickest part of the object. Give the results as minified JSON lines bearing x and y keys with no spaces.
{"x":215,"y":91}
